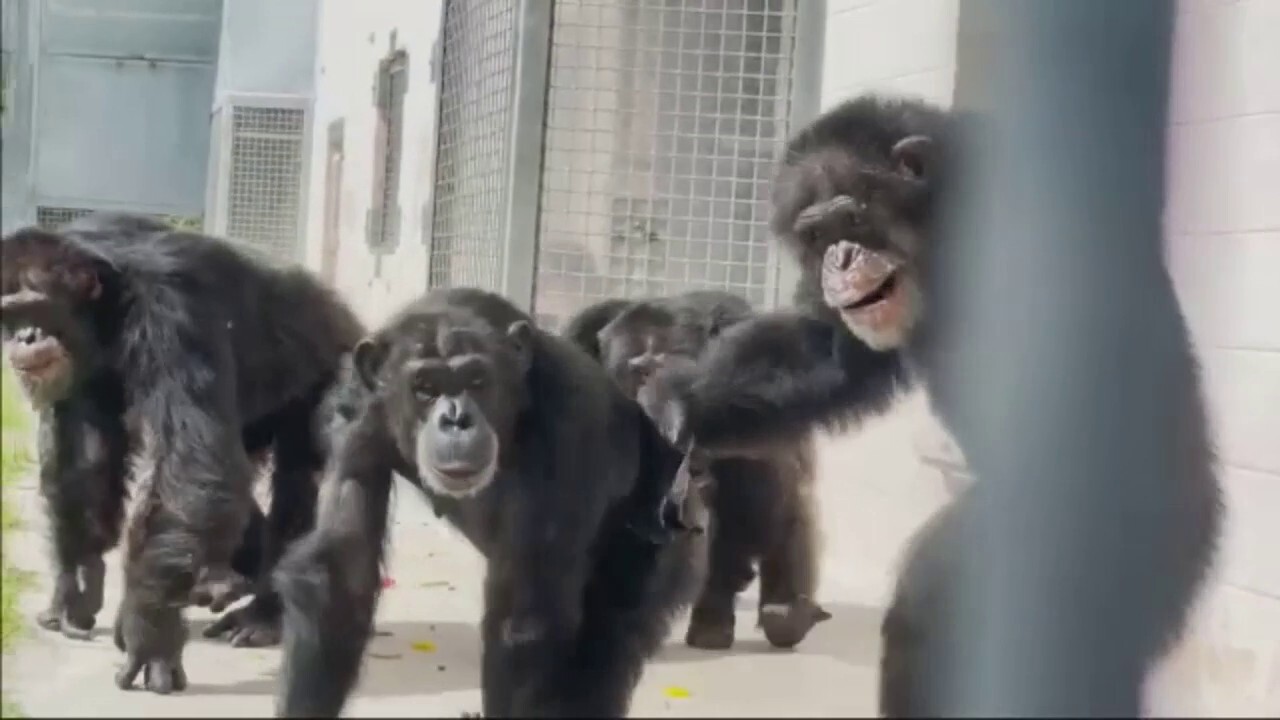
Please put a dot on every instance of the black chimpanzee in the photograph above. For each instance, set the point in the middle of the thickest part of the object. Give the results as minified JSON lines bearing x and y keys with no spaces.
{"x":521,"y":441}
{"x":856,"y":199}
{"x":762,"y":508}
{"x":184,"y":354}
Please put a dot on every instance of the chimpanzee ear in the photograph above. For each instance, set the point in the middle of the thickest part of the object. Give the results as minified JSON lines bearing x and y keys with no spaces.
{"x":912,"y":156}
{"x":368,"y":357}
{"x":521,"y":336}
{"x":85,"y":281}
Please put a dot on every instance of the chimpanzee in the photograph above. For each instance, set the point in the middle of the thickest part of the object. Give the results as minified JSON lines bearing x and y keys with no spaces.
{"x":521,"y":441}
{"x":856,"y":199}
{"x":761,"y":508}
{"x":182,"y":354}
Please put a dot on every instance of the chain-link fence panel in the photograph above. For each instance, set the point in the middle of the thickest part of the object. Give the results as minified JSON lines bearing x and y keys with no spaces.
{"x":476,"y":84}
{"x":664,"y":120}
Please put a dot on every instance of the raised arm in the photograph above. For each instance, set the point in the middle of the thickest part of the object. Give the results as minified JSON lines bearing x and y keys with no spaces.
{"x":775,"y":378}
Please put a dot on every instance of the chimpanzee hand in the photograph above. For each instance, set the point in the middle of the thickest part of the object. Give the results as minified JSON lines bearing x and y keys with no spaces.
{"x":218,"y":587}
{"x":76,"y":600}
{"x":257,"y":624}
{"x":152,"y":637}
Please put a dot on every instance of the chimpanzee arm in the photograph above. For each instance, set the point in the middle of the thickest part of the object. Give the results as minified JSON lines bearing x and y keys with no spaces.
{"x":773,"y":379}
{"x":329,"y":580}
{"x":194,"y":477}
{"x":533,"y":595}
{"x":82,"y":468}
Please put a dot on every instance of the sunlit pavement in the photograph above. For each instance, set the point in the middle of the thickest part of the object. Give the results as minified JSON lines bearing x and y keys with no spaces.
{"x":425,"y":660}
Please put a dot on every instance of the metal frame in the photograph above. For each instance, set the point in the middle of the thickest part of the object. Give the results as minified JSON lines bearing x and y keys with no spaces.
{"x":524,"y":177}
{"x":806,"y":104}
{"x":435,"y":70}
{"x":216,"y":211}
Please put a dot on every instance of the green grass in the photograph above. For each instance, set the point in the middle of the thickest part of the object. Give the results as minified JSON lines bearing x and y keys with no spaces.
{"x":15,"y":461}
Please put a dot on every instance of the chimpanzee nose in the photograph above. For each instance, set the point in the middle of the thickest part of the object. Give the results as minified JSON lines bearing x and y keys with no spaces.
{"x":643,"y":366}
{"x":842,"y":254}
{"x":28,"y":335}
{"x":454,"y":416}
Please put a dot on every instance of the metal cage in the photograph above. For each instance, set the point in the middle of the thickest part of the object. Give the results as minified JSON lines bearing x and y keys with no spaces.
{"x":602,"y":148}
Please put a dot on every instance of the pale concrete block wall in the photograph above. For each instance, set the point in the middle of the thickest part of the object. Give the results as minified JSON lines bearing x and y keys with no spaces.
{"x":874,"y":487}
{"x":354,"y":37}
{"x":1223,"y":230}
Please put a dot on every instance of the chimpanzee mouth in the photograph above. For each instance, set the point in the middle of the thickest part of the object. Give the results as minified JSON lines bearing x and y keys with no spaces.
{"x":459,"y":480}
{"x":32,"y":351}
{"x":882,"y":292}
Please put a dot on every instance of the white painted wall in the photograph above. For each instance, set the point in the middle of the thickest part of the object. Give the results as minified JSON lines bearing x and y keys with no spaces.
{"x":1223,"y":225}
{"x":354,"y":36}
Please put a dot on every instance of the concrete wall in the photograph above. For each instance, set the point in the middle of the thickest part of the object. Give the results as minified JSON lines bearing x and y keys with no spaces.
{"x":1223,"y":224}
{"x":353,"y":37}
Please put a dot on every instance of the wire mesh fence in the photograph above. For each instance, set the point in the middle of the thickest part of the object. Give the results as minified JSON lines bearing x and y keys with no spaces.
{"x":265,"y":186}
{"x":663,"y":121}
{"x":476,"y":82}
{"x":52,"y":217}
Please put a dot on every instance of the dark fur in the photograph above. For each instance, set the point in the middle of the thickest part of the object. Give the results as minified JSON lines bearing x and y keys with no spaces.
{"x":780,"y":375}
{"x":575,"y":600}
{"x":188,"y":356}
{"x":762,"y":509}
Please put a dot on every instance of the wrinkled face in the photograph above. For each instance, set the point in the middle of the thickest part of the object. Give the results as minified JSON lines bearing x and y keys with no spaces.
{"x":45,"y":314}
{"x":452,"y":396}
{"x":863,"y":235}
{"x":635,"y":346}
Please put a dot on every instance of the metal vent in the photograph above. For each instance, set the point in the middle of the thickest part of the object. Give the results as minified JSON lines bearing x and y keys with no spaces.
{"x":476,"y":86}
{"x":663,"y":124}
{"x":54,"y":217}
{"x":265,"y":186}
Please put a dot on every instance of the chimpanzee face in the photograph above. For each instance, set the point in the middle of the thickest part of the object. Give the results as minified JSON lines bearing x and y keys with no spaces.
{"x":452,"y":394}
{"x":48,"y":288}
{"x":641,"y":341}
{"x":860,"y":231}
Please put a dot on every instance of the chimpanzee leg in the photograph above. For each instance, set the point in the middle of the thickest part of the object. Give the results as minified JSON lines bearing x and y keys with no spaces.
{"x":292,"y":515}
{"x":789,"y":568}
{"x":82,"y":478}
{"x":712,"y":623}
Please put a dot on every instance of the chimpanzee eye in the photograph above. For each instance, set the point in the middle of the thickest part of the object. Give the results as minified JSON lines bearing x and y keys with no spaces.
{"x":425,"y":391}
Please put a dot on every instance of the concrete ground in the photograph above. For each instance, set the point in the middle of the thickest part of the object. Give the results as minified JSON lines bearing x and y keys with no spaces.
{"x":874,"y":492}
{"x":425,"y":660}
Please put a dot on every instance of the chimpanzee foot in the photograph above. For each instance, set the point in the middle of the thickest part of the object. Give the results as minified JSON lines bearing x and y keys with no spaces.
{"x":152,"y":638}
{"x":158,"y":676}
{"x":786,"y":625}
{"x":71,"y":611}
{"x":257,"y":624}
{"x":710,"y":631}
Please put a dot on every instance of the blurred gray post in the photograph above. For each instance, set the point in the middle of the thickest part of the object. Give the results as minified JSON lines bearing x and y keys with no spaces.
{"x":1052,"y":273}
